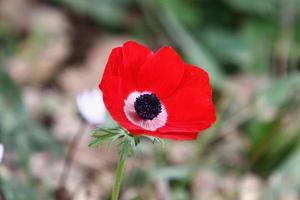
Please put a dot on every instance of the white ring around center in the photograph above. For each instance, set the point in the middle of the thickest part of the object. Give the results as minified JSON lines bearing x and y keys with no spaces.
{"x":151,"y":125}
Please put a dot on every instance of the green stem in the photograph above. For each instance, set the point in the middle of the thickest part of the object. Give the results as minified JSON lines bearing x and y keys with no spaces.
{"x":119,"y":176}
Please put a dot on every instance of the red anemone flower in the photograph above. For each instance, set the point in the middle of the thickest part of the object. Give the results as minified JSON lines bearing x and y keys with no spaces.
{"x":157,"y":94}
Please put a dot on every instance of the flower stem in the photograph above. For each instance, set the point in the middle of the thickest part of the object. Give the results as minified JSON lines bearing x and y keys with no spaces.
{"x":119,"y":176}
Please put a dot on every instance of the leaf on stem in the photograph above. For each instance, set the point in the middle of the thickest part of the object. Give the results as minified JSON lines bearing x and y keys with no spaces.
{"x":127,"y":142}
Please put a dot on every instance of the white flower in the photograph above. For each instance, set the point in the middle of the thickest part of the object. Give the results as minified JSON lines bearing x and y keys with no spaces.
{"x":1,"y":152}
{"x":91,"y":106}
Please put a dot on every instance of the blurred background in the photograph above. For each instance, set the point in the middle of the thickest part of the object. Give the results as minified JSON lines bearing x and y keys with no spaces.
{"x":52,"y":50}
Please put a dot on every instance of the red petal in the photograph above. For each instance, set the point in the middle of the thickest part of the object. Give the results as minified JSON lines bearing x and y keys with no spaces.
{"x":134,"y":56}
{"x":190,"y":108}
{"x":161,"y":73}
{"x":113,"y":100}
{"x":113,"y":64}
{"x":111,"y":86}
{"x":169,"y":135}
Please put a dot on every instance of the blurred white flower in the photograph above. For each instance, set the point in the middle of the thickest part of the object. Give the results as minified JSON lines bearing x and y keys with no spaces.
{"x":91,"y":106}
{"x":1,"y":152}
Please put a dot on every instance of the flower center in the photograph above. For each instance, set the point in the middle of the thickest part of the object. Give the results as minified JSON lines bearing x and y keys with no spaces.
{"x":147,"y":106}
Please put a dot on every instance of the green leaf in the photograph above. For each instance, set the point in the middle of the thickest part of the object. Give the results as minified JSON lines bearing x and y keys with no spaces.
{"x":95,"y":142}
{"x":125,"y":141}
{"x":154,"y":139}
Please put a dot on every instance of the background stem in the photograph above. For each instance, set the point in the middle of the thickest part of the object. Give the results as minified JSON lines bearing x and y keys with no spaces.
{"x":70,"y":155}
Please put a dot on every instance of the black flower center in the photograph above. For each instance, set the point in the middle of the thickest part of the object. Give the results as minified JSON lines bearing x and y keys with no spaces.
{"x":147,"y":106}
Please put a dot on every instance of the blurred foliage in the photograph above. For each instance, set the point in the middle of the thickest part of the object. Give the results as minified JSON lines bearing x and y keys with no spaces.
{"x":230,"y":39}
{"x":22,"y":137}
{"x":281,"y":132}
{"x":285,"y":179}
{"x":17,"y":130}
{"x":112,"y":13}
{"x":9,"y":39}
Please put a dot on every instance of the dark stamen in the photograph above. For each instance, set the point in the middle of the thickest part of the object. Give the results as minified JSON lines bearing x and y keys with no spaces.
{"x":147,"y":106}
